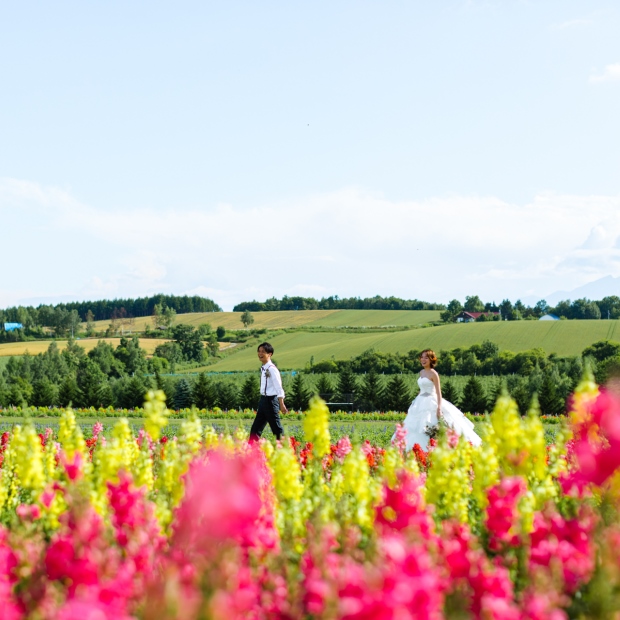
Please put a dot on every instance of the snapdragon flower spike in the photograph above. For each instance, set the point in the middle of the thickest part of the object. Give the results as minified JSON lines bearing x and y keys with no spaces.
{"x":343,"y":447}
{"x":596,"y":444}
{"x":73,"y":467}
{"x":564,"y":546}
{"x":502,"y":519}
{"x":9,"y":607}
{"x":399,"y":440}
{"x":221,"y":503}
{"x":403,"y":508}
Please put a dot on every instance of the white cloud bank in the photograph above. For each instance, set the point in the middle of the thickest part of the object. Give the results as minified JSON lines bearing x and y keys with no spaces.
{"x":350,"y":242}
{"x":611,"y":73}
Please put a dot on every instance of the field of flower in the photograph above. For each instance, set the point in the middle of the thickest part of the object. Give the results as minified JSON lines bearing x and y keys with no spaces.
{"x":201,"y":524}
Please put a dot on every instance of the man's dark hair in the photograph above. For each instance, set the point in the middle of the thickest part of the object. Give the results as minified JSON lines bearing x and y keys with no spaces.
{"x":266,"y":347}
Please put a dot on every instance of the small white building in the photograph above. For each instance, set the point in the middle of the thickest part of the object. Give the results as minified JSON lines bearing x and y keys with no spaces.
{"x":549,"y":317}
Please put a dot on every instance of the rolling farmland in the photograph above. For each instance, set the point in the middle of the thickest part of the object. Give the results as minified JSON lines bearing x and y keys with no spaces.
{"x":294,"y":350}
{"x":40,"y":346}
{"x":299,"y":318}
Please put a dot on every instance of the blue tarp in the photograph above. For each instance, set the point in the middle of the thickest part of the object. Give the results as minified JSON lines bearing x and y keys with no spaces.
{"x":9,"y":327}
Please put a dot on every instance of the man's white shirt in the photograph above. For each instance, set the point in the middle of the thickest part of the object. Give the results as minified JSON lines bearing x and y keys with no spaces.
{"x":270,"y":381}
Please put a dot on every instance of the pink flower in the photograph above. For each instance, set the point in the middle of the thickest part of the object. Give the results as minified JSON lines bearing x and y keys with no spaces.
{"x":28,"y":512}
{"x":399,"y":440}
{"x":97,"y":429}
{"x":502,"y":512}
{"x":343,"y":447}
{"x":452,"y":437}
{"x":564,"y":546}
{"x":73,"y":468}
{"x":221,"y":502}
{"x":403,"y":508}
{"x":596,"y":443}
{"x":9,"y":609}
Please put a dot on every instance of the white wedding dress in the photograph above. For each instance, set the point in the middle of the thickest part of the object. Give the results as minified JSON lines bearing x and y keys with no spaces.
{"x":423,"y":413}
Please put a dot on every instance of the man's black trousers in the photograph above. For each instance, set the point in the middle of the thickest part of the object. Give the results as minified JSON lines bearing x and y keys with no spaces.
{"x":268,"y":413}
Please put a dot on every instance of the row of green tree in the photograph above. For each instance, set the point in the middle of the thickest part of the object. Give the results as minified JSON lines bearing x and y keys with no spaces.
{"x":606,"y":308}
{"x":104,"y":376}
{"x":104,"y":309}
{"x":479,"y":359}
{"x":376,"y":392}
{"x":336,"y":303}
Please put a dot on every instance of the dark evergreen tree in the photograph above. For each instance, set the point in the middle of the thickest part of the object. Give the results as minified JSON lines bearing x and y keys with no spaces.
{"x":450,"y":392}
{"x":347,"y":384}
{"x":227,"y":395}
{"x":551,"y":403}
{"x":397,"y":394}
{"x":130,"y":393}
{"x":4,"y":392}
{"x":474,"y":399}
{"x":324,"y":387}
{"x":250,"y":393}
{"x":182,"y":394}
{"x":494,"y":392}
{"x":298,"y":396}
{"x":69,"y":392}
{"x":105,"y":395}
{"x":166,"y":386}
{"x":45,"y":393}
{"x":372,"y":392}
{"x":89,"y":379}
{"x":205,"y":394}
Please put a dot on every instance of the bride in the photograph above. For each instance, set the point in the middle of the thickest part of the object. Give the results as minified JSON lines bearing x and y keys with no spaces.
{"x":428,"y":408}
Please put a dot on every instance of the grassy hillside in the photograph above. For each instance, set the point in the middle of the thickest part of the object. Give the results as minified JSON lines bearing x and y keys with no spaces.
{"x":292,"y":318}
{"x":39,"y":346}
{"x":294,"y":350}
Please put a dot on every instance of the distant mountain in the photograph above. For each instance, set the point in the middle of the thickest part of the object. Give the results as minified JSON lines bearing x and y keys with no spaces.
{"x":603,"y":287}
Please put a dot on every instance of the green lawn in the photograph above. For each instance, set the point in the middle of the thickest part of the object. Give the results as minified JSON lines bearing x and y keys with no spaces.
{"x":294,"y":350}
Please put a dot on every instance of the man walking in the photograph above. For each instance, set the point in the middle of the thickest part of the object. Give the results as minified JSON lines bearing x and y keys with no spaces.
{"x":271,"y":396}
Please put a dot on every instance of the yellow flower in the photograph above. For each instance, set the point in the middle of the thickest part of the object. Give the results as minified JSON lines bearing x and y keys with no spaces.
{"x":286,"y":474}
{"x":316,"y":427}
{"x":155,"y":412}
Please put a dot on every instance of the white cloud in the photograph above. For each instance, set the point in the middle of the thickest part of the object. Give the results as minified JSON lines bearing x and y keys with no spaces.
{"x":570,"y":23}
{"x":349,"y":242}
{"x":611,"y":73}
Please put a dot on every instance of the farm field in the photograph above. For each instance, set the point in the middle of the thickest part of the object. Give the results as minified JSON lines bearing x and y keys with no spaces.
{"x":40,"y":346}
{"x":294,"y":350}
{"x":293,"y":318}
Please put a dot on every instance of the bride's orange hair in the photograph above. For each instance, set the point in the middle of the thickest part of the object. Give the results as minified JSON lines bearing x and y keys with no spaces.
{"x":431,"y":356}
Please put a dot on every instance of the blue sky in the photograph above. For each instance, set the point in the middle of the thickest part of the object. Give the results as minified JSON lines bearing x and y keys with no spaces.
{"x":243,"y":149}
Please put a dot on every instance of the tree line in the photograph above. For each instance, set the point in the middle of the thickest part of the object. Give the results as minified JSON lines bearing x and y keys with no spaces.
{"x":336,"y":303}
{"x":105,"y":376}
{"x":606,"y":308}
{"x":61,"y":315}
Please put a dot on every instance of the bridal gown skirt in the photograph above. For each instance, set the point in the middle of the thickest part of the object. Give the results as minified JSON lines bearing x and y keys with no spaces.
{"x":423,"y":413}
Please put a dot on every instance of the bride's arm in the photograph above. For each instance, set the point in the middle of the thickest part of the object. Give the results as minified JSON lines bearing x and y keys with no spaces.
{"x":435,"y":380}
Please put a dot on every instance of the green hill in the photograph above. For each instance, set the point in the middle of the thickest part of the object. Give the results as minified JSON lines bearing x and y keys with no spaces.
{"x":292,"y":318}
{"x":294,"y":350}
